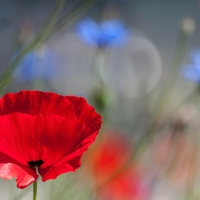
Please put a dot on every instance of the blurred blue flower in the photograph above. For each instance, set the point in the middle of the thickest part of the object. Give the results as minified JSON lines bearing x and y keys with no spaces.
{"x":36,"y":64}
{"x":192,"y":71}
{"x":101,"y":35}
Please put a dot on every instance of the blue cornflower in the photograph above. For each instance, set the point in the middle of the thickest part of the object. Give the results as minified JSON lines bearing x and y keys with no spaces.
{"x":103,"y":34}
{"x":37,"y":64}
{"x":192,"y":71}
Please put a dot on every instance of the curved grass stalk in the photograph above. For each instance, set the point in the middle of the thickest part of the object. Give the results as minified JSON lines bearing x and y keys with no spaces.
{"x":160,"y":106}
{"x":50,"y":28}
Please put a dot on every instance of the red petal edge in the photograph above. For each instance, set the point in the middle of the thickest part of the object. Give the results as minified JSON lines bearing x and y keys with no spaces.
{"x":23,"y":179}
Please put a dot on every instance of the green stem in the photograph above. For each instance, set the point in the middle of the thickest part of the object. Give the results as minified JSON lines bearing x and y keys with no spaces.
{"x":35,"y":190}
{"x":166,"y":91}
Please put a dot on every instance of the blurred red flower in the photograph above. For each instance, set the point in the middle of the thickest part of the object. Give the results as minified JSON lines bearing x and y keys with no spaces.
{"x":44,"y":130}
{"x":114,"y":150}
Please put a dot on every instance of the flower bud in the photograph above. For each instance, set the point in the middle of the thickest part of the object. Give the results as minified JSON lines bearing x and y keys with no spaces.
{"x":188,"y":26}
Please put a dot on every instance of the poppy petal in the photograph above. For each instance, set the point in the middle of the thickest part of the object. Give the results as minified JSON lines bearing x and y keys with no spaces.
{"x":10,"y":170}
{"x":36,"y":102}
{"x":87,"y":115}
{"x":84,"y":112}
{"x":69,"y":162}
{"x":58,"y":168}
{"x":39,"y":137}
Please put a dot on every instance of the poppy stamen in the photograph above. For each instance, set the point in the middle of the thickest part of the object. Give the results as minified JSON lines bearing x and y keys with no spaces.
{"x":37,"y":163}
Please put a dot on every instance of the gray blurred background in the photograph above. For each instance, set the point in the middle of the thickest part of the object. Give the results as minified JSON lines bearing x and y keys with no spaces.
{"x":157,"y":19}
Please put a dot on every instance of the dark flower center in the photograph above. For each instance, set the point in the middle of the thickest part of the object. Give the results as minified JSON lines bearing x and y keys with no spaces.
{"x":36,"y":163}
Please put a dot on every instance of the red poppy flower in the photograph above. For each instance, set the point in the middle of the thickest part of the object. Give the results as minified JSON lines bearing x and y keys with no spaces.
{"x":113,"y":150}
{"x":43,"y":130}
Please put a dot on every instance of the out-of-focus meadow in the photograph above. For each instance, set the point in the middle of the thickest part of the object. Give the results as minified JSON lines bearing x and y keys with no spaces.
{"x":138,"y":63}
